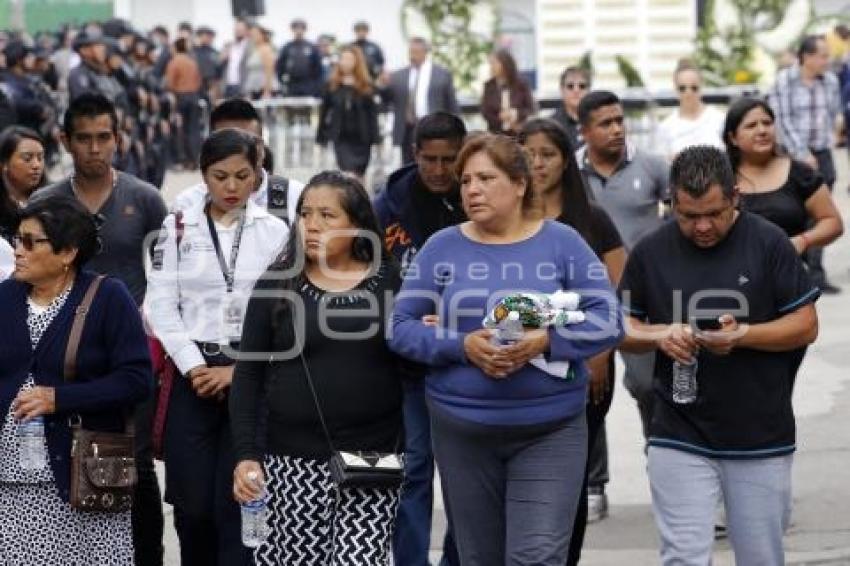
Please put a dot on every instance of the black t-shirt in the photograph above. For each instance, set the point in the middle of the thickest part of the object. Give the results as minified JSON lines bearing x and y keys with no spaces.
{"x":357,"y":380}
{"x":743,"y":409}
{"x":786,"y":206}
{"x":130,"y":217}
{"x":604,"y":236}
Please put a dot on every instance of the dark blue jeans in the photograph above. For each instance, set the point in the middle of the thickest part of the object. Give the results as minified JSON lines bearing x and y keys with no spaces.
{"x":412,"y":536}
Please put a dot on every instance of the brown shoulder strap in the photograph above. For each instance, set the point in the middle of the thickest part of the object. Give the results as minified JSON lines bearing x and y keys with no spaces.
{"x":77,"y":329}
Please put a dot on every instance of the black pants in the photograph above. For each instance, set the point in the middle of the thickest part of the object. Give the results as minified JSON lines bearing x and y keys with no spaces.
{"x":147,"y":502}
{"x":814,"y":255}
{"x":595,"y":421}
{"x":190,"y":134}
{"x":407,"y":144}
{"x":199,"y":464}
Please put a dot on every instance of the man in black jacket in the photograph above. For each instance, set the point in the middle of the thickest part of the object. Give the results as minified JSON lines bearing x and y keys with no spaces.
{"x":420,"y":199}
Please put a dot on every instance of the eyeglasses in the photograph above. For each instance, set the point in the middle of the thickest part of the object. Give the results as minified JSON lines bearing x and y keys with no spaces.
{"x":28,"y":241}
{"x":575,"y":86}
{"x":684,"y":88}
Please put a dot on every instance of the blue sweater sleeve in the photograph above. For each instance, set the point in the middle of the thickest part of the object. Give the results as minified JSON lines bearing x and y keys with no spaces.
{"x":129,"y":379}
{"x":420,"y":295}
{"x":603,"y":327}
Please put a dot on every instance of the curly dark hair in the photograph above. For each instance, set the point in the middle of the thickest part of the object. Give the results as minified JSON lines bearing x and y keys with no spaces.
{"x":67,"y":224}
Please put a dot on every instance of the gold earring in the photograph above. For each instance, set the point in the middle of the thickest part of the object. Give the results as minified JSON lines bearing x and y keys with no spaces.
{"x":65,"y":267}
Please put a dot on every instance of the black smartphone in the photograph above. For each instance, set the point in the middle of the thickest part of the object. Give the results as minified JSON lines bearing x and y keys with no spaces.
{"x":706,"y":323}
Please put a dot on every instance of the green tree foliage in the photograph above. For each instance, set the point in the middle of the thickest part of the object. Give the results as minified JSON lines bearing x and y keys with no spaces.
{"x":454,"y":45}
{"x":629,"y":73}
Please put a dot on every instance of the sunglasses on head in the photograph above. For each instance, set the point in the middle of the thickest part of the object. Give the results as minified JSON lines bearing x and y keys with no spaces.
{"x":28,"y":241}
{"x":684,"y":88}
{"x":575,"y":86}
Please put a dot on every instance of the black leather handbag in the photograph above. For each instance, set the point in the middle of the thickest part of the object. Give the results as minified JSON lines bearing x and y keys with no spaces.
{"x":361,"y":468}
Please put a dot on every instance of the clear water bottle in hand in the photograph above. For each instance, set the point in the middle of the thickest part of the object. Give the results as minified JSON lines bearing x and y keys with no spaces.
{"x":685,"y":381}
{"x":509,"y":330}
{"x":32,"y":449}
{"x":255,"y":518}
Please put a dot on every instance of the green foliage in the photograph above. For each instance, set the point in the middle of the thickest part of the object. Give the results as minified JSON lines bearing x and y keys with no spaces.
{"x":586,"y":62}
{"x":727,"y":57}
{"x":629,"y":73}
{"x":453,"y":44}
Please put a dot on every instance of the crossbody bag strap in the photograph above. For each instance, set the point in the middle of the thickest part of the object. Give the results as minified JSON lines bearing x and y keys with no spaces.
{"x":316,"y":401}
{"x":76,"y":334}
{"x":77,"y":329}
{"x":399,"y":439}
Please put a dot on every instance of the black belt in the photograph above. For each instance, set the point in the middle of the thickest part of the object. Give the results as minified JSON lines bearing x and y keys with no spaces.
{"x":214,"y":353}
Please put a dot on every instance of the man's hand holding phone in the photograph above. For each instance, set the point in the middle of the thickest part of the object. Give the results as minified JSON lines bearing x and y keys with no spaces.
{"x":718,"y":335}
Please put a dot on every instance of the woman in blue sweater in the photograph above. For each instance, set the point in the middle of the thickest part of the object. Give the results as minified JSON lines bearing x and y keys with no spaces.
{"x":55,"y":237}
{"x":510,"y":439}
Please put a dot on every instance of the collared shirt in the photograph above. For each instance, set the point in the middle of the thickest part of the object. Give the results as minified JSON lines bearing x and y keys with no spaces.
{"x":190,"y":197}
{"x":423,"y":72}
{"x":805,"y":114}
{"x":187,"y":293}
{"x":234,"y":62}
{"x":633,"y":194}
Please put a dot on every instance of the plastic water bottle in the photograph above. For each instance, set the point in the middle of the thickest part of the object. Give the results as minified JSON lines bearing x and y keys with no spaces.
{"x":255,"y":516}
{"x":32,"y":448}
{"x":685,"y":381}
{"x":509,"y":330}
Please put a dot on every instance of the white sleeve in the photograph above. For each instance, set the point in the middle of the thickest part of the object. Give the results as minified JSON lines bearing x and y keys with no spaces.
{"x":162,"y":302}
{"x":7,"y":259}
{"x":294,"y":193}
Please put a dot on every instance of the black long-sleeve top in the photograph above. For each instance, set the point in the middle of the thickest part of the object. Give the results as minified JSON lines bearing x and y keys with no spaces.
{"x":357,"y":380}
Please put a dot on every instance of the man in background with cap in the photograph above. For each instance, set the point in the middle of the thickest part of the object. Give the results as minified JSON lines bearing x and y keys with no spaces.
{"x":371,"y":51}
{"x":22,"y":90}
{"x":92,"y":74}
{"x":299,"y":65}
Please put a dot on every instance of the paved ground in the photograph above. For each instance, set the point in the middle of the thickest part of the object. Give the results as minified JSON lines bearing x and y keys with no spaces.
{"x":820,"y":532}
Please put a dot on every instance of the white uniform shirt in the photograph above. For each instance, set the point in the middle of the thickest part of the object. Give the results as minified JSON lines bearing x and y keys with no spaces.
{"x":423,"y":73}
{"x":676,"y":133}
{"x":190,"y":197}
{"x":7,"y":259}
{"x":187,"y":293}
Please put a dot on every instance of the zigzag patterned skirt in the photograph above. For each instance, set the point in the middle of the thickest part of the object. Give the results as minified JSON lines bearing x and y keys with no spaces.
{"x":314,"y":524}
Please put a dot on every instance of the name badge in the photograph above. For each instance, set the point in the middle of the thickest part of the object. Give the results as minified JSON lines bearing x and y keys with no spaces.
{"x":232,"y":315}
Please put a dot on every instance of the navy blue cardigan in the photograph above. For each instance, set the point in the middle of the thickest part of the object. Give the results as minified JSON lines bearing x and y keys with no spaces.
{"x":113,"y":363}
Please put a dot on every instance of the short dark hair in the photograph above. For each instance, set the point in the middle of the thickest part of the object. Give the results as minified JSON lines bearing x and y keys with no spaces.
{"x":697,"y":168}
{"x":593,"y":101}
{"x":89,"y":105}
{"x":234,"y":109}
{"x":439,"y":126}
{"x":226,"y":143}
{"x":808,"y":46}
{"x":573,"y":70}
{"x":67,"y":224}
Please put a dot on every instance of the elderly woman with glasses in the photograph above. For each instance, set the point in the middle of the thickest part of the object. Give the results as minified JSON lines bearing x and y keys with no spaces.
{"x":692,"y":123}
{"x":54,"y":238}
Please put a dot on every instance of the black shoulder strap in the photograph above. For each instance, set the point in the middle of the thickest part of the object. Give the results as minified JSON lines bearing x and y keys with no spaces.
{"x":278,"y":197}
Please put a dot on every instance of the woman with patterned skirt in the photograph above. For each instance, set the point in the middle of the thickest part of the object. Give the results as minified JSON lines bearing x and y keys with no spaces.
{"x":329,"y":296}
{"x":54,"y":238}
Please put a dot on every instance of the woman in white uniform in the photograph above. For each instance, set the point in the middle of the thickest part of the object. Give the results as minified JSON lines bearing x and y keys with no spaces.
{"x":205,"y":265}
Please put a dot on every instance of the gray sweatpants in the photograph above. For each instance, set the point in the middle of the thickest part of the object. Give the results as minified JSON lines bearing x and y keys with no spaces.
{"x":686,"y":489}
{"x":511,"y":492}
